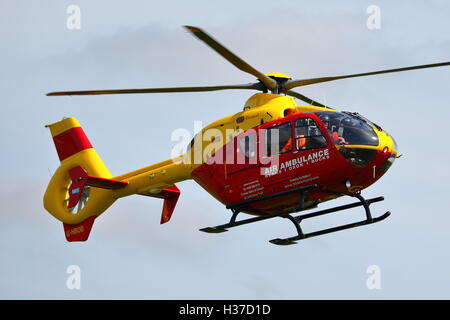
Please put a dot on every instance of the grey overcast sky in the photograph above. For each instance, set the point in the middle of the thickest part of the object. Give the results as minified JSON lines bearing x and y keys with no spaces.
{"x":133,"y":44}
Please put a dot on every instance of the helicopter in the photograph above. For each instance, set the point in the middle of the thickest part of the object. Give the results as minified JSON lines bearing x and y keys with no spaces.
{"x":274,"y":158}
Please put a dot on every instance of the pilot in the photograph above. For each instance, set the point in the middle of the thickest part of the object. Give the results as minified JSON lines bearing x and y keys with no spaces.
{"x":336,"y":135}
{"x":326,"y":121}
{"x":301,"y":142}
{"x":287,"y":147}
{"x":338,"y":139}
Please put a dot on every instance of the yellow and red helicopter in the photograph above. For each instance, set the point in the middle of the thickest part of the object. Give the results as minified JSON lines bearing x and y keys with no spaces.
{"x":272,"y":159}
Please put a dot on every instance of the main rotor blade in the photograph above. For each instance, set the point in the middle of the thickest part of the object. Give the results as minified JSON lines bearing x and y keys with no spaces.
{"x":250,"y":86}
{"x":231,"y":57}
{"x":297,"y":83}
{"x":305,"y":99}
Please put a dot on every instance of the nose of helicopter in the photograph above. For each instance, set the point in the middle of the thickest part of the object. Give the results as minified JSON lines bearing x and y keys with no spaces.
{"x":387,"y":150}
{"x":375,"y":157}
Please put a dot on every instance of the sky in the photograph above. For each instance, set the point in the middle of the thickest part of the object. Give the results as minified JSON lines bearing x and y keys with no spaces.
{"x":138,"y":44}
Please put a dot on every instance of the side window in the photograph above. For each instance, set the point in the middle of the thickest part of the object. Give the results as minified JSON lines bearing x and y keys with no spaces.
{"x":308,"y":135}
{"x":247,"y":145}
{"x":279,"y":139}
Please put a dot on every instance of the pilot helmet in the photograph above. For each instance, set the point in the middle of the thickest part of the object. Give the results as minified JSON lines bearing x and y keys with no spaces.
{"x":325,"y":119}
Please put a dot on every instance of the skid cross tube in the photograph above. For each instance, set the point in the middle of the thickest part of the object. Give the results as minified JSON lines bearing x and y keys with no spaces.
{"x":297,"y":220}
{"x":238,"y":207}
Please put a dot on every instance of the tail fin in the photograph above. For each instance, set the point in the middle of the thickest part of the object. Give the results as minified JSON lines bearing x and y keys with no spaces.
{"x":82,"y":188}
{"x":68,"y":197}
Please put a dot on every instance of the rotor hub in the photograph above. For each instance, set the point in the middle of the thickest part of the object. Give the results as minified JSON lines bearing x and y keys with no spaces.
{"x":278,"y":75}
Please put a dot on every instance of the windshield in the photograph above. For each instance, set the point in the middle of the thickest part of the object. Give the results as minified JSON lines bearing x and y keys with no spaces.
{"x":345,"y":128}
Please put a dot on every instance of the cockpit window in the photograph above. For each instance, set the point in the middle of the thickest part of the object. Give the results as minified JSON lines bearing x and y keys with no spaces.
{"x":279,"y":139}
{"x":346,"y":129}
{"x":357,"y":115}
{"x":307,"y":135}
{"x":247,"y":145}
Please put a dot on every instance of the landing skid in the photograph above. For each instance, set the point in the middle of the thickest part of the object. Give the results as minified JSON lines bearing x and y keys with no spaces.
{"x":238,"y":207}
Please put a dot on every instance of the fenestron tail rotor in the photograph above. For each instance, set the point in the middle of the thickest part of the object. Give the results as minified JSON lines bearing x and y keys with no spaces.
{"x":276,"y":83}
{"x":81,"y":203}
